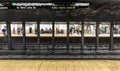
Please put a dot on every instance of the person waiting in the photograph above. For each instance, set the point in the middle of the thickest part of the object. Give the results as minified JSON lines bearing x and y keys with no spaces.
{"x":71,"y":30}
{"x":62,"y":31}
{"x":79,"y":30}
{"x":46,"y":30}
{"x":57,"y":30}
{"x":41,"y":31}
{"x":50,"y":30}
{"x":30,"y":30}
{"x":13,"y":30}
{"x":36,"y":30}
{"x":18,"y":30}
{"x":4,"y":31}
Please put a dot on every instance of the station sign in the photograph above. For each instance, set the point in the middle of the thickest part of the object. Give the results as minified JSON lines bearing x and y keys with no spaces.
{"x":36,"y":5}
{"x":4,"y":5}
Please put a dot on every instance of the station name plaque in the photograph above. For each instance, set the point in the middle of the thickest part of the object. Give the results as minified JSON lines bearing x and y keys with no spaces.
{"x":36,"y":5}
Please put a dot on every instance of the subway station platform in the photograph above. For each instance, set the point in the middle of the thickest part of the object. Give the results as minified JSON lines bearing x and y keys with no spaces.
{"x":59,"y":65}
{"x":73,"y":30}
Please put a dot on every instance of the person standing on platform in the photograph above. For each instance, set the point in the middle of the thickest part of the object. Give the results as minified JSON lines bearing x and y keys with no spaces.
{"x":71,"y":30}
{"x":50,"y":31}
{"x":13,"y":30}
{"x":79,"y":29}
{"x":36,"y":30}
{"x":4,"y":31}
{"x":18,"y":30}
{"x":46,"y":30}
{"x":30,"y":30}
{"x":57,"y":30}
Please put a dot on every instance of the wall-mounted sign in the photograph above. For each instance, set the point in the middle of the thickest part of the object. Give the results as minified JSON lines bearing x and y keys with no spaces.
{"x":35,"y":5}
{"x":4,"y":5}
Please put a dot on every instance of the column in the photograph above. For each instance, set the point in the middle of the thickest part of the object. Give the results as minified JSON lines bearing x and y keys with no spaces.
{"x":38,"y":34}
{"x":68,"y":37}
{"x":53,"y":36}
{"x":8,"y":37}
{"x":97,"y":35}
{"x":82,"y":36}
{"x":24,"y":34}
{"x":111,"y":35}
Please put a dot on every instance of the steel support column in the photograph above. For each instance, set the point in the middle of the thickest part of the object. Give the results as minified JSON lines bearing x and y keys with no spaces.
{"x":97,"y":35}
{"x":68,"y":37}
{"x":24,"y":34}
{"x":82,"y":36}
{"x":38,"y":34}
{"x":111,"y":35}
{"x":9,"y":35}
{"x":53,"y":36}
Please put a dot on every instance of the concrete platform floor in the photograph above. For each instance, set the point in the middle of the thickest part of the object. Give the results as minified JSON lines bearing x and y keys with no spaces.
{"x":59,"y":65}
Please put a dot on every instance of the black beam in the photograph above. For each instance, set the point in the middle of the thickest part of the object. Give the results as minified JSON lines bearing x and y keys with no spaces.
{"x":9,"y":35}
{"x":53,"y":36}
{"x":97,"y":35}
{"x":38,"y":34}
{"x":111,"y":35}
{"x":67,"y":36}
{"x":24,"y":34}
{"x":82,"y":36}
